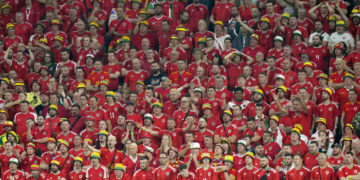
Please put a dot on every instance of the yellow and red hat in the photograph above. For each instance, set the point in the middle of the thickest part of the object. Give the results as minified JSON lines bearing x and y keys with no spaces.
{"x":53,"y":107}
{"x":250,"y":154}
{"x":323,"y":75}
{"x":5,"y":6}
{"x":201,"y":40}
{"x":8,"y":124}
{"x":181,"y":28}
{"x":43,"y":40}
{"x":285,"y":15}
{"x":348,"y":75}
{"x":347,"y":138}
{"x":219,"y":23}
{"x":296,"y":130}
{"x":51,"y":140}
{"x":255,"y":36}
{"x":125,"y":39}
{"x":265,"y":19}
{"x":119,"y":166}
{"x":308,"y":64}
{"x":205,"y":155}
{"x":339,"y":46}
{"x":206,"y":106}
{"x":9,"y":25}
{"x":158,"y":104}
{"x":64,"y":142}
{"x":322,"y":120}
{"x":340,"y":23}
{"x":228,"y":112}
{"x":140,"y":82}
{"x":94,"y":24}
{"x":59,"y":38}
{"x":229,"y":158}
{"x":283,"y":88}
{"x":88,"y":140}
{"x":35,"y":167}
{"x":275,"y":118}
{"x":143,"y":11}
{"x":299,"y":126}
{"x":259,"y":91}
{"x":144,"y":23}
{"x":95,"y":155}
{"x":55,"y":162}
{"x":31,"y":145}
{"x":103,"y":132}
{"x":349,"y":125}
{"x":104,"y":82}
{"x":81,"y":85}
{"x":19,"y":82}
{"x":328,"y":90}
{"x":110,"y":93}
{"x":55,"y":22}
{"x":79,"y":159}
{"x":332,"y":18}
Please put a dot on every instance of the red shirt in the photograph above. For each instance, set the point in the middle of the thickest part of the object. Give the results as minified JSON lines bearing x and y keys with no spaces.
{"x":20,"y":120}
{"x":245,"y":174}
{"x":18,"y":175}
{"x":99,"y":115}
{"x":250,"y":51}
{"x":65,"y":162}
{"x":329,"y":112}
{"x":230,"y":131}
{"x":141,"y":174}
{"x":272,"y":19}
{"x":335,"y":77}
{"x":161,"y":121}
{"x":100,"y":173}
{"x":113,"y":112}
{"x":24,"y":30}
{"x":4,"y":160}
{"x":197,"y":12}
{"x":170,"y":108}
{"x":198,"y":35}
{"x":27,"y":162}
{"x":265,"y":38}
{"x":131,"y":166}
{"x":90,"y":134}
{"x":47,"y":157}
{"x":175,"y":136}
{"x":221,"y":11}
{"x":80,"y":9}
{"x":344,"y":171}
{"x":298,"y":174}
{"x":179,"y":116}
{"x":271,"y":174}
{"x":326,"y":173}
{"x":155,"y":23}
{"x":77,"y":176}
{"x":310,"y":160}
{"x":124,"y":177}
{"x":167,"y":174}
{"x":301,"y":148}
{"x":94,"y":78}
{"x":319,"y":56}
{"x":350,"y":111}
{"x":8,"y":42}
{"x":69,"y":138}
{"x":271,"y":149}
{"x":180,"y":79}
{"x":107,"y":157}
{"x":203,"y":174}
{"x":132,"y":76}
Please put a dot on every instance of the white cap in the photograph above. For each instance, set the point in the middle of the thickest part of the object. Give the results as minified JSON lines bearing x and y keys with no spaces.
{"x":195,"y":145}
{"x":280,"y":76}
{"x":90,"y":55}
{"x":147,"y":115}
{"x":243,"y":142}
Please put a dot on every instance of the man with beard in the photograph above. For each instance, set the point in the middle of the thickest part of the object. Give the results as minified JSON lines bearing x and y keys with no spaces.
{"x":76,"y":119}
{"x":226,"y":130}
{"x":109,"y":155}
{"x":336,"y":159}
{"x":156,"y":20}
{"x":93,"y":79}
{"x":53,"y":121}
{"x":247,"y":172}
{"x":324,"y":36}
{"x":279,"y":109}
{"x":55,"y":173}
{"x":323,"y":170}
{"x":64,"y":159}
{"x":271,"y":148}
{"x":253,"y":130}
{"x":299,"y":172}
{"x":202,"y":131}
{"x":184,"y":21}
{"x":318,"y":52}
{"x":328,"y":110}
{"x":258,"y":98}
{"x":350,"y":170}
{"x":145,"y":172}
{"x":65,"y":55}
{"x":39,"y":134}
{"x":156,"y":74}
{"x":266,"y":34}
{"x":286,"y":165}
{"x":164,"y":171}
{"x":311,"y":156}
{"x":265,"y":170}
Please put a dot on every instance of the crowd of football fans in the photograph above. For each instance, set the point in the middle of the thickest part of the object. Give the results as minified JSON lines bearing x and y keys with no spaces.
{"x":178,"y":89}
